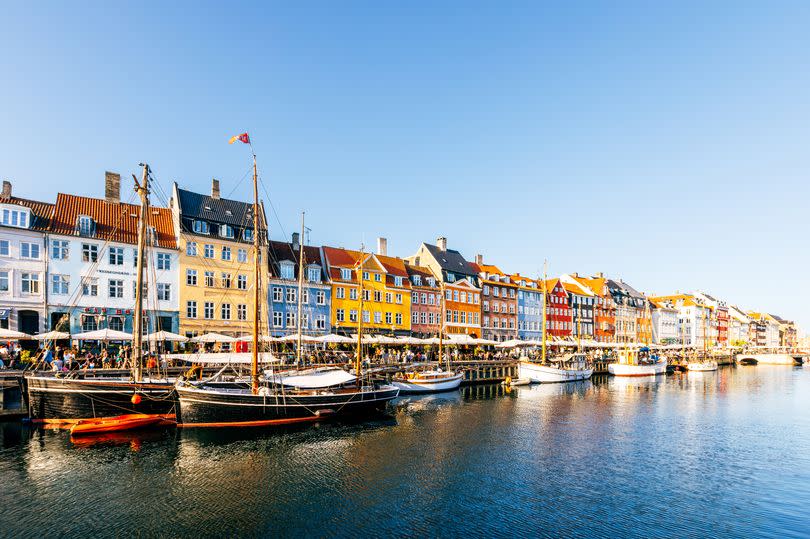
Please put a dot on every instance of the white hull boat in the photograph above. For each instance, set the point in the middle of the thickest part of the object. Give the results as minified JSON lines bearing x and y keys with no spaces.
{"x":649,"y":369}
{"x":547,"y":374}
{"x":701,"y":366}
{"x":428,"y":382}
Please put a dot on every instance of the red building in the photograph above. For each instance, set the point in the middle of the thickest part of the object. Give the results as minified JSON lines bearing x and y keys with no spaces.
{"x":558,"y":310}
{"x":425,"y":302}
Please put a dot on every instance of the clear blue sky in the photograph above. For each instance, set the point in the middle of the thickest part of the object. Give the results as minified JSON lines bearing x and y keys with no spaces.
{"x":666,"y":143}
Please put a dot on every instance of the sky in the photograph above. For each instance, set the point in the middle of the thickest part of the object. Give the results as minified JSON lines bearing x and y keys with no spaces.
{"x":666,"y":143}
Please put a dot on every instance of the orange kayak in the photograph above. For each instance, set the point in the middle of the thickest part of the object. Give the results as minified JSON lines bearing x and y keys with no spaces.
{"x":115,"y":424}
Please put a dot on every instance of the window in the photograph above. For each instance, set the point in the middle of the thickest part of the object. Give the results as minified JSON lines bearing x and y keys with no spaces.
{"x":226,"y":231}
{"x":191,"y":309}
{"x":431,"y":299}
{"x":340,"y":315}
{"x":366,"y":295}
{"x":209,"y":278}
{"x":15,"y":218}
{"x":226,"y":254}
{"x":378,"y":277}
{"x":340,"y":292}
{"x":367,"y":317}
{"x":365,"y":276}
{"x":378,"y":296}
{"x":415,"y":317}
{"x":241,"y":311}
{"x":287,"y":270}
{"x":304,"y":321}
{"x":89,"y":322}
{"x":116,"y":256}
{"x":455,"y":295}
{"x":241,"y":282}
{"x":164,"y":292}
{"x":59,"y":249}
{"x":345,"y":274}
{"x":486,"y":307}
{"x":277,"y":294}
{"x":116,"y":323}
{"x":226,"y":280}
{"x":247,"y":234}
{"x":496,"y":291}
{"x":320,"y":322}
{"x":397,"y":281}
{"x":291,"y":295}
{"x":90,"y":287}
{"x":85,"y":225}
{"x":191,"y":248}
{"x":226,"y":311}
{"x":320,"y":297}
{"x":353,"y":315}
{"x":164,"y":261}
{"x":417,"y":280}
{"x":201,"y":227}
{"x":313,"y":274}
{"x":3,"y":281}
{"x":29,"y":250}
{"x":278,"y":319}
{"x":208,"y":250}
{"x":399,"y":299}
{"x":191,"y":277}
{"x":389,"y":297}
{"x":463,"y":317}
{"x":241,"y":255}
{"x":115,"y":288}
{"x":290,"y":319}
{"x":89,"y":252}
{"x":423,"y":318}
{"x":60,"y":284}
{"x":208,"y":310}
{"x":451,"y":278}
{"x":353,"y":293}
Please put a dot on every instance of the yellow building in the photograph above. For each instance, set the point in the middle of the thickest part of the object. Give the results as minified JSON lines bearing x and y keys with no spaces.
{"x":386,"y":292}
{"x":215,"y":237}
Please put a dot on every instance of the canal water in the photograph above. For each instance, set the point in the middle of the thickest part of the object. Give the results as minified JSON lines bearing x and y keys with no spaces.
{"x":723,"y":454}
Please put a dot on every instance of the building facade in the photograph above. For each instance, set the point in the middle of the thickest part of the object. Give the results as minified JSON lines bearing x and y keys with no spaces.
{"x":665,"y":327}
{"x":582,"y":300}
{"x":558,"y":310}
{"x":426,"y":301}
{"x":604,"y":308}
{"x":23,"y":262}
{"x":499,"y":302}
{"x":216,"y":263}
{"x":530,"y":308}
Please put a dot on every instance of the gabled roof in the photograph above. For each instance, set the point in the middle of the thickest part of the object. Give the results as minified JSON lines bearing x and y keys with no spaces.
{"x":463,"y":283}
{"x":594,"y":284}
{"x":423,"y":272}
{"x":196,"y":206}
{"x":337,"y":258}
{"x":279,"y":251}
{"x":41,"y":211}
{"x":114,"y":221}
{"x":451,"y":260}
{"x":572,"y":285}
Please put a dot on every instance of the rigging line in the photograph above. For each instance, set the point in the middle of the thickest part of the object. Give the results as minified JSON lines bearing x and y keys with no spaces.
{"x":273,"y":208}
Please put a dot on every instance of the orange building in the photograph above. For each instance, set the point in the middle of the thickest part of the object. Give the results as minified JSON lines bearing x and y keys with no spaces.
{"x":604,"y":308}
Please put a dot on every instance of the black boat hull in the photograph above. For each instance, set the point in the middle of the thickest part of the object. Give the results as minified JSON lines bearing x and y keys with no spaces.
{"x":67,"y":399}
{"x":201,"y":407}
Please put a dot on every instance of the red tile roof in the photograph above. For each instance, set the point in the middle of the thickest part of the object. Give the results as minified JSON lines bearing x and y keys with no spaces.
{"x":114,"y":221}
{"x":41,"y":210}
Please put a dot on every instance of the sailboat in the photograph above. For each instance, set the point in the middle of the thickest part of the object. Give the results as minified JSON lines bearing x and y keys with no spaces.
{"x":638,"y":362}
{"x":435,"y":380}
{"x":567,"y":368}
{"x":705,"y":364}
{"x":80,"y":395}
{"x":274,"y":400}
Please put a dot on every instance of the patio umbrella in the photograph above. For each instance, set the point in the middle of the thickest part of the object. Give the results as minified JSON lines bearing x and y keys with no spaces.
{"x":102,"y":335}
{"x":11,"y":335}
{"x":166,"y":336}
{"x":294,"y":338}
{"x":52,"y":336}
{"x":212,"y":337}
{"x":334,"y":339}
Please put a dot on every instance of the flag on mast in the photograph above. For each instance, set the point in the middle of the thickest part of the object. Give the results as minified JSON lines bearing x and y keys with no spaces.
{"x":242,"y":138}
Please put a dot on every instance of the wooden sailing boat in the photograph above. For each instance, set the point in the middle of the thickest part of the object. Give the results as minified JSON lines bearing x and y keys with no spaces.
{"x":566,"y":368}
{"x":271,"y":401}
{"x":82,"y":395}
{"x":433,"y":380}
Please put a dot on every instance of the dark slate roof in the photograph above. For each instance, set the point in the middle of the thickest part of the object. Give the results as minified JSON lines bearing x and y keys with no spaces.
{"x":41,"y":211}
{"x":622,"y":292}
{"x":279,"y":251}
{"x":195,"y":206}
{"x":451,"y":260}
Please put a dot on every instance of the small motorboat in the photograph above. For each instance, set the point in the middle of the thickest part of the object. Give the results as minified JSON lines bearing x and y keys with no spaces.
{"x":117,"y":423}
{"x":569,"y":368}
{"x":638,"y":363}
{"x":701,"y":366}
{"x":428,"y":381}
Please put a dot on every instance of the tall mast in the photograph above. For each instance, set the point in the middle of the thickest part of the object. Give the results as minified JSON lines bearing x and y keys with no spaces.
{"x":441,"y":326}
{"x":359,"y":353}
{"x":544,"y":311}
{"x":704,"y":335}
{"x":254,"y":359}
{"x":579,"y":328}
{"x":300,"y":289}
{"x":137,"y":327}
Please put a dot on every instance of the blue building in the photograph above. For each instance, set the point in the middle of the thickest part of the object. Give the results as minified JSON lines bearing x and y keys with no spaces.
{"x":530,"y":308}
{"x":282,"y":290}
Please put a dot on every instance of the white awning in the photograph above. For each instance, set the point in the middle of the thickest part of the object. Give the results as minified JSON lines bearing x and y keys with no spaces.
{"x":224,"y":358}
{"x":102,"y":335}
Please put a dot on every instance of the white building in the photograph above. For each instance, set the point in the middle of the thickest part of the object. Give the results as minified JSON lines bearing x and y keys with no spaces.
{"x":665,"y":323}
{"x":739,"y":325}
{"x":92,"y":256}
{"x":694,"y":320}
{"x":22,"y":262}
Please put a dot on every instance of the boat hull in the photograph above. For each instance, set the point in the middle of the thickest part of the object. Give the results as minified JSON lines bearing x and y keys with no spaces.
{"x":702,"y":366}
{"x":767,"y":359}
{"x":202,"y":407}
{"x":127,"y":422}
{"x":624,"y":369}
{"x":546,"y":374}
{"x":52,"y":399}
{"x":416,"y":387}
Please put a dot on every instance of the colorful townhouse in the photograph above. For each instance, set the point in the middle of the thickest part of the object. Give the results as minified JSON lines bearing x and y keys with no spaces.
{"x":764,"y":329}
{"x":788,"y":336}
{"x":581,"y":299}
{"x":386,"y":292}
{"x":665,"y":327}
{"x":739,"y":325}
{"x":694,"y":319}
{"x":426,"y":302}
{"x":23,"y":262}
{"x":92,"y":261}
{"x":283,"y":286}
{"x":499,"y":304}
{"x":604,"y":308}
{"x":216,"y":270}
{"x":720,"y":317}
{"x":558,"y":310}
{"x":460,"y":282}
{"x":530,"y":308}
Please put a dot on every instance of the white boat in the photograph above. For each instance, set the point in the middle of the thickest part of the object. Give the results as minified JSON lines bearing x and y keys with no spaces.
{"x":702,"y":366}
{"x":516,"y":382}
{"x":569,"y":368}
{"x":638,"y":363}
{"x":428,"y":381}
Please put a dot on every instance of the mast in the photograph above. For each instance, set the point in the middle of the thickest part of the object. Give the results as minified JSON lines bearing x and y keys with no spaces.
{"x":300,"y":290}
{"x":254,"y":359}
{"x":358,"y":358}
{"x":544,"y":311}
{"x":705,"y":350}
{"x":441,"y":327}
{"x":137,"y":327}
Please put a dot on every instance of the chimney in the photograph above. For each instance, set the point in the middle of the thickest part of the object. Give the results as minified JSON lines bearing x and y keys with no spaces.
{"x":442,"y":243}
{"x":382,"y":246}
{"x":295,"y":240}
{"x":479,"y":259}
{"x":215,"y":188}
{"x":112,"y":187}
{"x":6,"y":189}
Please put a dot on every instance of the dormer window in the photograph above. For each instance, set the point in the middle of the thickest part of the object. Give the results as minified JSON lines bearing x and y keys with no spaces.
{"x":397,"y":281}
{"x":287,"y":270}
{"x":451,"y":277}
{"x":314,"y":274}
{"x":226,"y":231}
{"x":247,"y":234}
{"x":417,"y":280}
{"x":496,"y":278}
{"x":85,"y":226}
{"x":345,"y":274}
{"x":201,"y":227}
{"x":17,"y":218}
{"x":431,"y":281}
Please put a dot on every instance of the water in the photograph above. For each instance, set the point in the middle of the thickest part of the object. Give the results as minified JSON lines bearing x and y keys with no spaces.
{"x":704,"y":454}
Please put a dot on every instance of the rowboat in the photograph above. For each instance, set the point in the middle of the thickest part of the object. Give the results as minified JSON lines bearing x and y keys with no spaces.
{"x":117,"y":423}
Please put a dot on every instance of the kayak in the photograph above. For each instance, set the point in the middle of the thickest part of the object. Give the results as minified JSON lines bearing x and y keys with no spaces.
{"x":115,"y":424}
